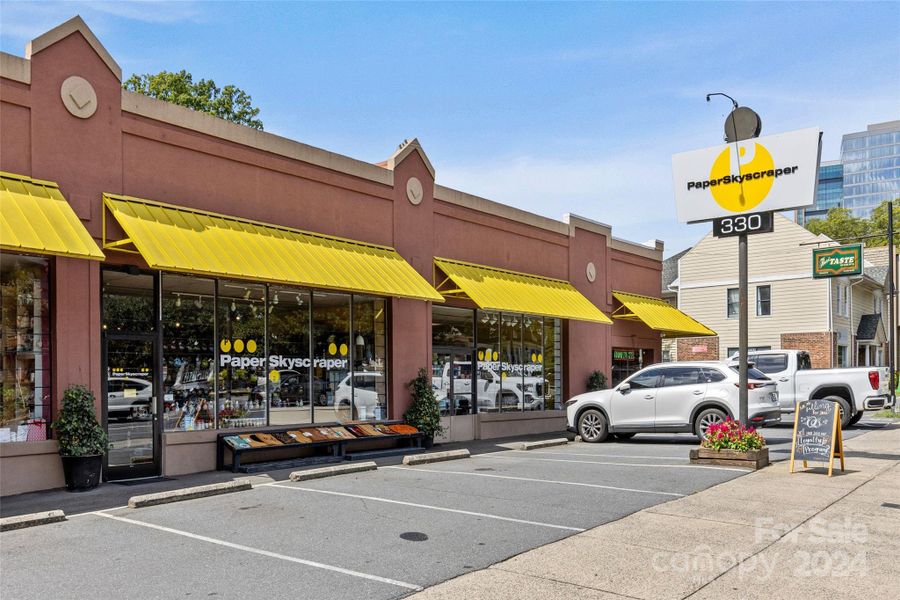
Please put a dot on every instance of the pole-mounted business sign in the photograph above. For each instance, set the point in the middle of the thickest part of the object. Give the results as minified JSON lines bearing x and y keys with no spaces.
{"x":837,"y":261}
{"x":775,"y":172}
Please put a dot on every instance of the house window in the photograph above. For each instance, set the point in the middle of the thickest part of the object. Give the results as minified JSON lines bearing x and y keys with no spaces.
{"x":763,"y":300}
{"x":843,"y":298}
{"x":877,"y":304}
{"x":842,"y":356}
{"x":734,"y":302}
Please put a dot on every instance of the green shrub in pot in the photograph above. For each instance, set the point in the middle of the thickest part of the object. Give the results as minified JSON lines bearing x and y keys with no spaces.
{"x":424,"y":413}
{"x":82,"y":440}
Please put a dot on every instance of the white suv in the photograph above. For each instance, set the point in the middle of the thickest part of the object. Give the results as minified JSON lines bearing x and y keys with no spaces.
{"x":678,"y":397}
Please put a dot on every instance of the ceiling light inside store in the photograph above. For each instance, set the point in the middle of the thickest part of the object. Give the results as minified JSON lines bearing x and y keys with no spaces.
{"x":233,"y":306}
{"x":199,"y":302}
{"x":178,"y":300}
{"x":246,"y":294}
{"x":360,"y":341}
{"x":299,"y":300}
{"x":275,"y":298}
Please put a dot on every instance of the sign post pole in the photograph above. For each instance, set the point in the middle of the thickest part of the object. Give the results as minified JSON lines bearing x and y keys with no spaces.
{"x":892,"y":357}
{"x":742,"y":329}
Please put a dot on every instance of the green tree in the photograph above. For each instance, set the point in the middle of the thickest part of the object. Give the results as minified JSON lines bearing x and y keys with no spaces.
{"x":840,"y":224}
{"x":878,"y":225}
{"x":230,"y":102}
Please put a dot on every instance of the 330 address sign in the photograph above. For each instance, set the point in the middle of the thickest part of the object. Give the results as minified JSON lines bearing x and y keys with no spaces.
{"x":743,"y":224}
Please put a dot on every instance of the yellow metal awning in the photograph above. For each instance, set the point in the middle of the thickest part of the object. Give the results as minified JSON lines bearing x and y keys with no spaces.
{"x":508,"y":291}
{"x":659,"y":315}
{"x":35,"y":217}
{"x":174,"y":238}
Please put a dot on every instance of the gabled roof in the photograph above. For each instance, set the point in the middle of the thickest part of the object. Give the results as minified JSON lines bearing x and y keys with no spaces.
{"x":878,"y":274}
{"x":64,"y":30}
{"x":868,"y":327}
{"x":405,"y":149}
{"x":670,"y":269}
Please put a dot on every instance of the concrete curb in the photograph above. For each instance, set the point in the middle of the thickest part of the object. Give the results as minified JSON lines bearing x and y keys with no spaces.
{"x":23,"y":521}
{"x":331,"y":471}
{"x":433,"y":457}
{"x":190,"y":493}
{"x":542,"y":444}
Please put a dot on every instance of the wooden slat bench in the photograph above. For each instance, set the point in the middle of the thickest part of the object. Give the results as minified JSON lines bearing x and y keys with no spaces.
{"x":334,"y":449}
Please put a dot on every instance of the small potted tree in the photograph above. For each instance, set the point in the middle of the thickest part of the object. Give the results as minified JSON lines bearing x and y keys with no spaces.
{"x":596,"y":381}
{"x":82,"y":441}
{"x":424,"y":413}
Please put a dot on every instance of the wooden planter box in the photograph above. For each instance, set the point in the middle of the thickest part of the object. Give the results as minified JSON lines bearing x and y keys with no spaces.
{"x":753,"y":459}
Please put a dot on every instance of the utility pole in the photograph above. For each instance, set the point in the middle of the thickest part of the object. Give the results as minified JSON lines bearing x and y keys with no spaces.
{"x":891,"y":302}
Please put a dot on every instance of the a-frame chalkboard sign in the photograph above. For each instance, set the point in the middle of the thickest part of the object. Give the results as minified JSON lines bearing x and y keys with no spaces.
{"x":817,"y":433}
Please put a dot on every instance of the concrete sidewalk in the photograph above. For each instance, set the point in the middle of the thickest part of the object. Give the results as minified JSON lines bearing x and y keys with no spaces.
{"x":770,"y":534}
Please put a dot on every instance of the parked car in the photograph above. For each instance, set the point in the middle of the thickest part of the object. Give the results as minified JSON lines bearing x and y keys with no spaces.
{"x":492,"y":391}
{"x":128,"y":398}
{"x":855,"y":389}
{"x":364,"y":391}
{"x":677,"y":397}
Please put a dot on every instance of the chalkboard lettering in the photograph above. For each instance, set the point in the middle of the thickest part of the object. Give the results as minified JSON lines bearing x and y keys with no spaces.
{"x":817,"y":433}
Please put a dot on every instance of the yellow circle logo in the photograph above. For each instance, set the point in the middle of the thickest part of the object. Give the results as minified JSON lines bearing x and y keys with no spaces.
{"x":274,"y":376}
{"x":503,"y":375}
{"x":533,"y":357}
{"x":540,"y":358}
{"x":251,"y":345}
{"x":238,"y":345}
{"x":481,"y":355}
{"x":344,"y":349}
{"x":332,"y":349}
{"x":225,"y":345}
{"x":752,"y":189}
{"x":496,"y":355}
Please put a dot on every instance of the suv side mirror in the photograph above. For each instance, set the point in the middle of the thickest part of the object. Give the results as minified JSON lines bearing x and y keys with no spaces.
{"x":624,"y":387}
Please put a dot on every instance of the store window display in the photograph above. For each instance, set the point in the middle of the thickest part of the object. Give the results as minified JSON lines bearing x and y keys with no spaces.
{"x":369,"y":358}
{"x":289,"y":368}
{"x":242,"y":390}
{"x":25,"y":346}
{"x":188,"y":349}
{"x":332,"y":384}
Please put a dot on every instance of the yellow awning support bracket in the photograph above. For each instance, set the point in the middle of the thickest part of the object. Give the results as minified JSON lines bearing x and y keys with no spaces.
{"x":659,"y":315}
{"x":508,"y":291}
{"x":35,"y":217}
{"x":185,"y":240}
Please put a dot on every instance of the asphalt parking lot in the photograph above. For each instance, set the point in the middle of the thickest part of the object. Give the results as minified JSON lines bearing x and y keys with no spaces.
{"x":379,"y":534}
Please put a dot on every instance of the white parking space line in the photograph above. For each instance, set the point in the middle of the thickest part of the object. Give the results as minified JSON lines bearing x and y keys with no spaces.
{"x":592,"y":455}
{"x":615,"y":464}
{"x":94,"y":512}
{"x":429,"y":507}
{"x":574,"y":483}
{"x":309,"y":563}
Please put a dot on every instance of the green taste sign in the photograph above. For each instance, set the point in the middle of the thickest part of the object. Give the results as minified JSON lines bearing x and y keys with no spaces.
{"x":837,"y":261}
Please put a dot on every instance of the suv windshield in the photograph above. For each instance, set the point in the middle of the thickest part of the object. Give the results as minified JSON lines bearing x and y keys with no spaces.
{"x":752,"y":373}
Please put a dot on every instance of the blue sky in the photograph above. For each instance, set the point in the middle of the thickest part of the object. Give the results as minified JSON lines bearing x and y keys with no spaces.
{"x":550,"y":107}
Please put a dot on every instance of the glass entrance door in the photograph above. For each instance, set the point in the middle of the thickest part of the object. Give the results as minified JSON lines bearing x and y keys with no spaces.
{"x":451,"y":378}
{"x":131,"y":407}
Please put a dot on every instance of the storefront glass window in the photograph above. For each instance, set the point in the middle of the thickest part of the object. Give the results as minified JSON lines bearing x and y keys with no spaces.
{"x":369,"y":358}
{"x":552,"y":364}
{"x":25,"y":344}
{"x":511,"y":362}
{"x":188,"y":320}
{"x":288,"y":367}
{"x":242,"y":373}
{"x":332,"y":383}
{"x":532,"y":362}
{"x":452,"y":327}
{"x":487,"y":376}
{"x":128,"y":302}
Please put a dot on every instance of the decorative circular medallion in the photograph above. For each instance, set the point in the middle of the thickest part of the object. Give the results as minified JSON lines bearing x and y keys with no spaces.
{"x":591,"y":272}
{"x":414,"y":190}
{"x":79,"y":97}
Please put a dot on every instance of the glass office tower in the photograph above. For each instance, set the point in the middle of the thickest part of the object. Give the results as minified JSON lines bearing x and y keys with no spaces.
{"x":867,"y":174}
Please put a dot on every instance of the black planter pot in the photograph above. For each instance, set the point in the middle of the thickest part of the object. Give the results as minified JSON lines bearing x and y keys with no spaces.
{"x":82,"y":473}
{"x":428,"y":441}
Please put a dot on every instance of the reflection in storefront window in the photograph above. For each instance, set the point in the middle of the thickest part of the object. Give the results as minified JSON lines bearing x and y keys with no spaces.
{"x":369,"y":358}
{"x":25,"y":343}
{"x":552,"y":364}
{"x":332,"y":384}
{"x":128,"y":302}
{"x":242,"y":373}
{"x":188,"y":319}
{"x":511,"y":363}
{"x":487,"y":375}
{"x":532,"y":361}
{"x":289,"y":368}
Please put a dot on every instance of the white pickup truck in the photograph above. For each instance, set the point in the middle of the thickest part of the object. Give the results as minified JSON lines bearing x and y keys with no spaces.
{"x":855,"y":389}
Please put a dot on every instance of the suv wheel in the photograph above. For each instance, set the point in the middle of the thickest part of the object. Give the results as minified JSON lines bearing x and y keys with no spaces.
{"x":592,"y":426}
{"x":707,"y":417}
{"x":855,"y":418}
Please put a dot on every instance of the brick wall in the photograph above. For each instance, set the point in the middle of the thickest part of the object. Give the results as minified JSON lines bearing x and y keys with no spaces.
{"x":698,"y":348}
{"x":820,"y":346}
